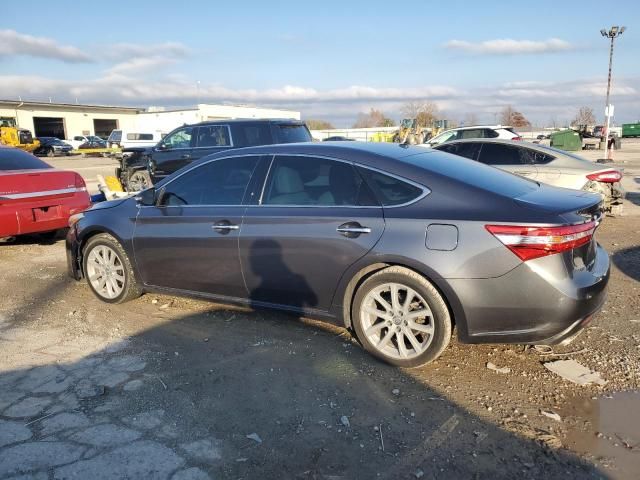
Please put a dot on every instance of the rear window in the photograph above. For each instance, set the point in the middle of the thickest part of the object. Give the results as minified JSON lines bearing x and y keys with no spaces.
{"x":292,"y":133}
{"x":474,"y":174}
{"x":139,"y":136}
{"x":14,"y":159}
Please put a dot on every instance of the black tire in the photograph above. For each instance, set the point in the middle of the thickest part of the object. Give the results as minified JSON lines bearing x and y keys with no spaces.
{"x":139,"y":180}
{"x":131,"y":289}
{"x":48,"y":236}
{"x":51,"y":153}
{"x":440,"y":318}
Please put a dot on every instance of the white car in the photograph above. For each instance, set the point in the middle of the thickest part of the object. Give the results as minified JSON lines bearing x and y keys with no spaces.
{"x":81,"y":139}
{"x":544,"y":164}
{"x":502,"y":132}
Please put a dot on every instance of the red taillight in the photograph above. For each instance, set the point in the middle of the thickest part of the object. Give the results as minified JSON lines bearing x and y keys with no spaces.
{"x":609,"y":176}
{"x":79,"y":183}
{"x":516,"y":138}
{"x":534,"y":242}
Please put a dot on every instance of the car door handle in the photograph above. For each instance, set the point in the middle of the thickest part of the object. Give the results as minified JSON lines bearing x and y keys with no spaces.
{"x":224,"y":226}
{"x":352,"y":229}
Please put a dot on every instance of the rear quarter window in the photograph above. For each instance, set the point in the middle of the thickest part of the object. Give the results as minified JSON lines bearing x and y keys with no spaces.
{"x":391,"y":191}
{"x":474,"y":174}
{"x":14,"y":159}
{"x":292,"y":133}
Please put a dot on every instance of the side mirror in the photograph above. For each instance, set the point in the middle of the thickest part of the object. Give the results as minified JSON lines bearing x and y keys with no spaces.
{"x":162,"y":147}
{"x":147,"y":197}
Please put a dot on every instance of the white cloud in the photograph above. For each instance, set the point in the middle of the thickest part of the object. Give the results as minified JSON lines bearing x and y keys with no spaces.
{"x":14,"y":43}
{"x":508,"y":46}
{"x":121,"y":51}
{"x":141,"y":65}
{"x":538,"y":101}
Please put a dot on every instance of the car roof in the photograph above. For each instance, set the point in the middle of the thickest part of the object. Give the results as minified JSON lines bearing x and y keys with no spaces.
{"x":232,"y":121}
{"x":471,"y":127}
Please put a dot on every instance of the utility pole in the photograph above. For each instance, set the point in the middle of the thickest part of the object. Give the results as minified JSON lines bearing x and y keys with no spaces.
{"x":613,"y":32}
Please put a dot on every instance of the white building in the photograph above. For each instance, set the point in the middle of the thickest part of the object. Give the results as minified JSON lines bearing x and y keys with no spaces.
{"x":64,"y":120}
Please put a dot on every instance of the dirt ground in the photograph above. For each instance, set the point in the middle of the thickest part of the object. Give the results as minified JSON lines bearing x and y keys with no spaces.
{"x":167,"y":387}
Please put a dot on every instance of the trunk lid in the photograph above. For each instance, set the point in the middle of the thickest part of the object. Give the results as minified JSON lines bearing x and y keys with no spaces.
{"x":44,"y":184}
{"x":558,"y":200}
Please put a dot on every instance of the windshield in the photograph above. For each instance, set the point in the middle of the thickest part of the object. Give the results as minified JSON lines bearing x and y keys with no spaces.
{"x":14,"y":159}
{"x":443,"y":137}
{"x":292,"y":133}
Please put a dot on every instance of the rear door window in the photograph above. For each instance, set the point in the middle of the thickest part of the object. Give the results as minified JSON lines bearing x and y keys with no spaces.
{"x":299,"y":181}
{"x":292,"y":133}
{"x":14,"y":159}
{"x":220,"y":182}
{"x":499,"y":154}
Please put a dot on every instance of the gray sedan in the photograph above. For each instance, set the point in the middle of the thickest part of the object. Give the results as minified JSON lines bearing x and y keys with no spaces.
{"x":544,"y":164}
{"x":400,"y":244}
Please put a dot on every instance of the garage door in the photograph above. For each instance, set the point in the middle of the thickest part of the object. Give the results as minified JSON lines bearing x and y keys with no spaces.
{"x":104,"y":127}
{"x":49,"y":127}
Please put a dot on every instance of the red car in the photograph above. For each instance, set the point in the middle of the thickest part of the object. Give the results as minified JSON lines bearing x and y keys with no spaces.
{"x":34,"y":196}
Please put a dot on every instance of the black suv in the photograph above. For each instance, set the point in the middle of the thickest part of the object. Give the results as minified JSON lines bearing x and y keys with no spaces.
{"x":141,"y":167}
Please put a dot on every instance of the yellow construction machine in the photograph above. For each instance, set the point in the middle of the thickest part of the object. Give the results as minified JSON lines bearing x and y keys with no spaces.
{"x":18,"y":137}
{"x":409,"y":132}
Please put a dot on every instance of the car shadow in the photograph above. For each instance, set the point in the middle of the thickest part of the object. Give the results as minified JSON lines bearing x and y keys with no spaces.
{"x":280,"y":399}
{"x":633,"y":197}
{"x":628,"y":261}
{"x":47,"y":238}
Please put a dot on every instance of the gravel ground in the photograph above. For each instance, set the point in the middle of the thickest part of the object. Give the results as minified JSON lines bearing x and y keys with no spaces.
{"x":166,"y":387}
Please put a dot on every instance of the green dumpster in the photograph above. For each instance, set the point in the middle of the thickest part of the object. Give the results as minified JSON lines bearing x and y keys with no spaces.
{"x":566,"y":140}
{"x":630,"y":130}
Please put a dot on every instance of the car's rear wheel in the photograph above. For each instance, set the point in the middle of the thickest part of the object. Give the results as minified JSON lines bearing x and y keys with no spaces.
{"x":401,"y":318}
{"x":108,"y":270}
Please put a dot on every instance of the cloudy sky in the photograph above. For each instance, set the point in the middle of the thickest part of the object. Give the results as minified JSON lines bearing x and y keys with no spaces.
{"x":329,"y":59}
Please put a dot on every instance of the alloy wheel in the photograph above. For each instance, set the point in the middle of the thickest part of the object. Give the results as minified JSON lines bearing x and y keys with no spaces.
{"x":397,"y":321}
{"x":105,"y":272}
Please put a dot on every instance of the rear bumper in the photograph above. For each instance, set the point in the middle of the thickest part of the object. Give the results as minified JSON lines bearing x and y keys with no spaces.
{"x":544,"y":301}
{"x":41,"y":215}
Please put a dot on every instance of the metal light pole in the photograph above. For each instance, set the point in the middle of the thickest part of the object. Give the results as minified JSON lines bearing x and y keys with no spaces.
{"x":613,"y":32}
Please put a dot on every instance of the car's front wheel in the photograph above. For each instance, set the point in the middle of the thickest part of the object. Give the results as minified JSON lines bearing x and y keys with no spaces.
{"x":139,"y":180}
{"x":108,"y":270}
{"x":401,"y":318}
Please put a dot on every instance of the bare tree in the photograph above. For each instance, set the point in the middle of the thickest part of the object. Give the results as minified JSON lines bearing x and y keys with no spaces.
{"x":584,"y":117}
{"x":425,"y":112}
{"x":319,"y":124}
{"x":375,"y":118}
{"x":511,"y":117}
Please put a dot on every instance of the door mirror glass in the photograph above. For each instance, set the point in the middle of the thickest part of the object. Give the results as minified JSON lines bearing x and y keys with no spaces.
{"x":147,"y":197}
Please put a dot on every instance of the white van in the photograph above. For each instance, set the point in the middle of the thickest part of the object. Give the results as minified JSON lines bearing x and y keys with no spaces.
{"x":126,"y":139}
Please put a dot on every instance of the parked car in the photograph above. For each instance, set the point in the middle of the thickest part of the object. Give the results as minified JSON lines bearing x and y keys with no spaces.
{"x":52,"y":146}
{"x":544,"y":164}
{"x":80,"y":140}
{"x":142,"y":167}
{"x":478,"y":131}
{"x":399,"y":243}
{"x":34,"y":196}
{"x":128,"y":139}
{"x":338,"y":138}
